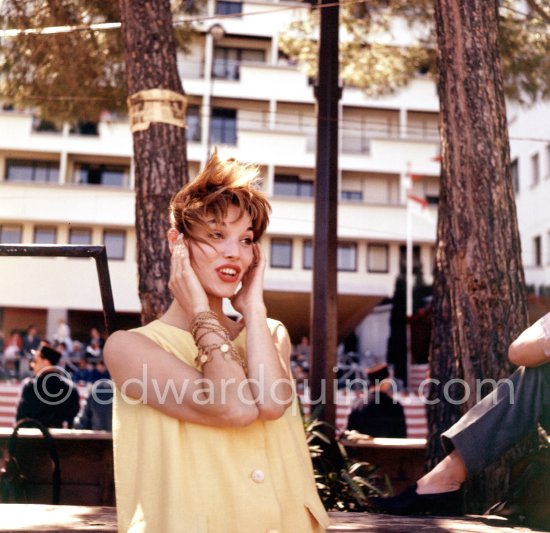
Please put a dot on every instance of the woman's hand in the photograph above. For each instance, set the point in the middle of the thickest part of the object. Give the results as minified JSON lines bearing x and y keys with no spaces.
{"x":250,"y":297}
{"x":184,"y":283}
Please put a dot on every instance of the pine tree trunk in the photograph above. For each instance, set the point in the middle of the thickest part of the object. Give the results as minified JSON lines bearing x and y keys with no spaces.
{"x":160,"y":152}
{"x":479,"y":289}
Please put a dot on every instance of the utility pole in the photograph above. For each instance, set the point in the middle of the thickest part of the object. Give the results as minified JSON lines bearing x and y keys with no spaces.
{"x":324,"y":303}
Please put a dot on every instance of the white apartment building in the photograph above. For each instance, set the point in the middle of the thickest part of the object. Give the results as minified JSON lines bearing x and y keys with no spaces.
{"x":76,"y":185}
{"x":530,"y":152}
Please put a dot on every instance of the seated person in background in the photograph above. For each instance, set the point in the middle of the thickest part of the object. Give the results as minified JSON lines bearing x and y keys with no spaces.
{"x":48,"y":397}
{"x":83,"y":374}
{"x":31,"y":341}
{"x":93,"y":351}
{"x":303,"y":352}
{"x":486,"y":431}
{"x":99,"y":372}
{"x":378,"y":414}
{"x":98,"y":411}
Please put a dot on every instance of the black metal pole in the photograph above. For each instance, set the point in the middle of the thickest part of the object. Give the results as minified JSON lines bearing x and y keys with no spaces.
{"x":74,"y":250}
{"x":324,"y":305}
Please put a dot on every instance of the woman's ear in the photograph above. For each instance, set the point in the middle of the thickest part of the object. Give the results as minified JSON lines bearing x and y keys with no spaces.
{"x":172,"y":235}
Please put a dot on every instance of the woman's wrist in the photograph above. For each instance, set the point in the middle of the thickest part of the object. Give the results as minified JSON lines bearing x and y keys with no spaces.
{"x":200,"y":308}
{"x":258,"y":311}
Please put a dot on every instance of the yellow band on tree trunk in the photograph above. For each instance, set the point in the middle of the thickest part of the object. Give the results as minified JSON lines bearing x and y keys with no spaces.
{"x":156,"y":105}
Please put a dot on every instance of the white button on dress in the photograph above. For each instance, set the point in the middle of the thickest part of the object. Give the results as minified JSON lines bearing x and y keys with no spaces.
{"x":257,"y":475}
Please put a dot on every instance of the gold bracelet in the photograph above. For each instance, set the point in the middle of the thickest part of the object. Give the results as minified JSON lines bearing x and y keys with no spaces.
{"x":203,"y":317}
{"x":228,"y":351}
{"x":207,"y":322}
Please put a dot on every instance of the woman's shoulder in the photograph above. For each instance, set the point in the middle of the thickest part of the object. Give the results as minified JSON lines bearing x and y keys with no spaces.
{"x":156,"y":331}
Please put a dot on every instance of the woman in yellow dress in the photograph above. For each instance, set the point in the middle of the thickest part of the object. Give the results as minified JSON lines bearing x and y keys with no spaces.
{"x":207,"y":432}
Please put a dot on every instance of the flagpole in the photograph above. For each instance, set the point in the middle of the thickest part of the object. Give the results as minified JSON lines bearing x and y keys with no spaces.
{"x":409,"y":272}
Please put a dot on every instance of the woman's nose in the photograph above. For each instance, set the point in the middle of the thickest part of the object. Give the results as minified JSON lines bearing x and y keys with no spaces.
{"x":231,"y":248}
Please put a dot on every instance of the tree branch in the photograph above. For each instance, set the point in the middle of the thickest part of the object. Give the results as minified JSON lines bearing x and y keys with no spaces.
{"x":534,"y":5}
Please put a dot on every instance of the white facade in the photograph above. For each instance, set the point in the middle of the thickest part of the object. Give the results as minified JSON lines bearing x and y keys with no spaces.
{"x":259,"y":109}
{"x":530,"y":154}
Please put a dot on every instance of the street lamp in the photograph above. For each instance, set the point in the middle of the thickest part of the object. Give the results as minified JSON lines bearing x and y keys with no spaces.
{"x":215,"y":33}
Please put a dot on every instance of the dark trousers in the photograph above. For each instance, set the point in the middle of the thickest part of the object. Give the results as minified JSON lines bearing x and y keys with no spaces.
{"x":502,"y":418}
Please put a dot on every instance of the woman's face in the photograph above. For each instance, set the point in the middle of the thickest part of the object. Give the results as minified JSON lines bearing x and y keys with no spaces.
{"x":221,"y":264}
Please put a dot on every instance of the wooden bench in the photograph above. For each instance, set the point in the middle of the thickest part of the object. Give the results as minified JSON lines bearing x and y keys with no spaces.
{"x":402,"y":460}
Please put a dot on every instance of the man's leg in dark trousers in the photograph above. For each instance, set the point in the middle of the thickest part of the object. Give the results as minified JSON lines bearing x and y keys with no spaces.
{"x":502,"y":418}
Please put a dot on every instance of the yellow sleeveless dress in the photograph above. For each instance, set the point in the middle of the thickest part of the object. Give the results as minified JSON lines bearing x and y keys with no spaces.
{"x":179,"y":477}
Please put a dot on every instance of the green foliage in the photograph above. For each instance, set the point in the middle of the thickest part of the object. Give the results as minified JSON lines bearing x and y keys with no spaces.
{"x":73,"y":75}
{"x":343,"y":485}
{"x":376,"y":56}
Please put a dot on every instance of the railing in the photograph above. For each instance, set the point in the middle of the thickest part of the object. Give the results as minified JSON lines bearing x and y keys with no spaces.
{"x":415,"y":410}
{"x":54,"y":250}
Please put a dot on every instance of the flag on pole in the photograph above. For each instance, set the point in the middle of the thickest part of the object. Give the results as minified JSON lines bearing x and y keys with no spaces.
{"x":419,"y":207}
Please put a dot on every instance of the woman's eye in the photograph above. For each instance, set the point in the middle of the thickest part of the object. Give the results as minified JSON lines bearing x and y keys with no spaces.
{"x":216,"y":235}
{"x":247,"y":241}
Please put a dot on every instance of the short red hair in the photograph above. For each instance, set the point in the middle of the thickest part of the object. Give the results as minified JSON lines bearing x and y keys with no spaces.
{"x":220,"y":184}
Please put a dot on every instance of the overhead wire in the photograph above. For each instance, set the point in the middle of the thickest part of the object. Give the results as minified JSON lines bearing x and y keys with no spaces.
{"x":105,"y":26}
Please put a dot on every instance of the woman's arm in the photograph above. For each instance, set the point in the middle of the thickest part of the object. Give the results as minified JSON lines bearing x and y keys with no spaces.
{"x":268,"y":353}
{"x":146,"y":373}
{"x":532,"y":347}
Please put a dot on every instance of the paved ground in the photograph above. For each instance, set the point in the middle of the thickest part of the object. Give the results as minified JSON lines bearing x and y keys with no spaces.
{"x":361,"y":522}
{"x":27,"y":518}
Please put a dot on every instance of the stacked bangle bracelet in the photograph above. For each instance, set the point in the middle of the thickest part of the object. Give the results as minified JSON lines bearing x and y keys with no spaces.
{"x":205,"y":323}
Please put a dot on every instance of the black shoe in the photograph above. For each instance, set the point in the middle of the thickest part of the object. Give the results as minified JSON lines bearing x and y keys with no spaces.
{"x":409,"y":502}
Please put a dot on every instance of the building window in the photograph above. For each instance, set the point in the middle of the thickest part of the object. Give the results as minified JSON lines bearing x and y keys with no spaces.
{"x":81,"y":236}
{"x":193,"y":124}
{"x":538,"y":251}
{"x":281,"y":253}
{"x":94,"y":174}
{"x":84,"y":128}
{"x":10,"y":234}
{"x":223,"y":126}
{"x":378,"y":258}
{"x":115,"y":243}
{"x":346,"y":254}
{"x":45,"y":235}
{"x":32,"y":171}
{"x":227,"y":61}
{"x":353,"y":196}
{"x":535,"y":170}
{"x":292,"y":186}
{"x":228,"y":8}
{"x":307,"y":255}
{"x":514,"y":171}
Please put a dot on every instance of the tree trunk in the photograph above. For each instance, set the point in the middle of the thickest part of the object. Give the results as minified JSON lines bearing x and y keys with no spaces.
{"x":160,"y":152}
{"x":479,"y":290}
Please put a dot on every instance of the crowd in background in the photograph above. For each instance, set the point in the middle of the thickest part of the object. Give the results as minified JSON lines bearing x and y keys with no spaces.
{"x":82,"y":359}
{"x":64,"y":362}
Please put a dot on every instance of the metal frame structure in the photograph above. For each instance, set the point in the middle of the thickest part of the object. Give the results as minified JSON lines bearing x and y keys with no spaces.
{"x":74,"y":250}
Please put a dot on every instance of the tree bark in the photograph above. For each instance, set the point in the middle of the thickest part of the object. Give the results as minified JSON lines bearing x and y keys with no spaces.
{"x":160,"y":152}
{"x":479,"y":290}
